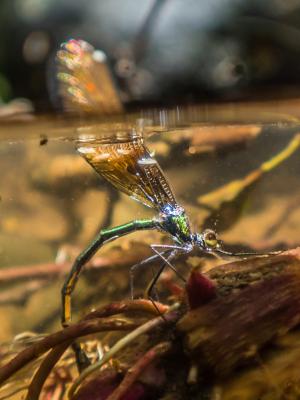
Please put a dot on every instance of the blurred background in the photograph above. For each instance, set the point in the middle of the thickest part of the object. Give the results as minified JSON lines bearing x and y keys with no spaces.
{"x":159,"y":51}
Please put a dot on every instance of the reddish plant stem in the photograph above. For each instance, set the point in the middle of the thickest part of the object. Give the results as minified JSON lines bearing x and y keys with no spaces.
{"x":51,"y":359}
{"x":83,"y":328}
{"x":20,"y":293}
{"x":142,"y":305}
{"x":170,"y":317}
{"x":137,"y":369}
{"x":47,"y":270}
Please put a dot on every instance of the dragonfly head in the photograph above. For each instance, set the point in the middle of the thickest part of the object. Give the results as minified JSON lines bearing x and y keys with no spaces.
{"x":208,"y":241}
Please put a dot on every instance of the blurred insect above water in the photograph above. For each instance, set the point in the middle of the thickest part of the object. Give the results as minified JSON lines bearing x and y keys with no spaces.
{"x":129,"y":166}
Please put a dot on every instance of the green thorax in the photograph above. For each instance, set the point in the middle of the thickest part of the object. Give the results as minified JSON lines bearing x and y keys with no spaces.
{"x":175,"y":221}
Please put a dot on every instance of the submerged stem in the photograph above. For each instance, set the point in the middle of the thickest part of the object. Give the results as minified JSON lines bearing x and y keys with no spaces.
{"x":44,"y":370}
{"x":141,"y":305}
{"x":136,"y":370}
{"x":169,"y":317}
{"x":69,"y":334}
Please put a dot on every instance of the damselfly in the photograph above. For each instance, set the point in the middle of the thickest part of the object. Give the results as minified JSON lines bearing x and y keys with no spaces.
{"x":129,"y":166}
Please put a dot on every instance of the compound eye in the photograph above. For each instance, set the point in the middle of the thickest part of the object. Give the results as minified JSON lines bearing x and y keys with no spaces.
{"x":210,"y":238}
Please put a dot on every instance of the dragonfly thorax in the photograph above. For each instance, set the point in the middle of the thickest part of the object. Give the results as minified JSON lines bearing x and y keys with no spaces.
{"x":174,"y":220}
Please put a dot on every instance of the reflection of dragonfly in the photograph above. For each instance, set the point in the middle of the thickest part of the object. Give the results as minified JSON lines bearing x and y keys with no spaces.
{"x":129,"y":166}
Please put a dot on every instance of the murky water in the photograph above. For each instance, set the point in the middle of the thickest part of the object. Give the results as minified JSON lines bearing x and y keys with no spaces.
{"x":53,"y":203}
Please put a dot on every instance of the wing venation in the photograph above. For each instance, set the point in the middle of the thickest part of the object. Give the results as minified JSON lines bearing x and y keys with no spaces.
{"x":130,"y":167}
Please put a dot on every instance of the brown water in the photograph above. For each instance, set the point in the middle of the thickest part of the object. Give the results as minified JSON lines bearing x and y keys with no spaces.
{"x":53,"y":203}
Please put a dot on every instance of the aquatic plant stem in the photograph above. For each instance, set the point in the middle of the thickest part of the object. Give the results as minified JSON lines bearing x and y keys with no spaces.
{"x":51,"y":270}
{"x":136,"y":370}
{"x":140,"y":305}
{"x":171,"y":316}
{"x":37,"y":383}
{"x":69,"y":334}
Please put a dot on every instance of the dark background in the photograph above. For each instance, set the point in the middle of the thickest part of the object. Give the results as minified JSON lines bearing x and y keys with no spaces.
{"x":160,"y":52}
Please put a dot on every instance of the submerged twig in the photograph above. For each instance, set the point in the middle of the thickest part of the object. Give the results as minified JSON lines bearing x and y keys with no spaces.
{"x":52,"y":358}
{"x":19,"y":295}
{"x":136,"y":370}
{"x":44,"y":370}
{"x":83,"y":328}
{"x":149,"y":325}
{"x":46,"y":270}
{"x":142,"y":305}
{"x":139,"y":305}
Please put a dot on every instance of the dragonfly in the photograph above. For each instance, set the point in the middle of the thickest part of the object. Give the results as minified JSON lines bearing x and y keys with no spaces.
{"x":131,"y":168}
{"x":127,"y":163}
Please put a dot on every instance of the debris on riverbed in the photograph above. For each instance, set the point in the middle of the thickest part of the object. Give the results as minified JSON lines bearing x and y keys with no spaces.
{"x":243,"y":326}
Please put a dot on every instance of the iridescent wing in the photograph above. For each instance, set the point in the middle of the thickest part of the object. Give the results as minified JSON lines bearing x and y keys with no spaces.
{"x":86,"y":84}
{"x":129,"y":166}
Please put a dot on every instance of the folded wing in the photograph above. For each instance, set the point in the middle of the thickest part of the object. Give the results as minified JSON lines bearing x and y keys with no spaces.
{"x":130,"y":167}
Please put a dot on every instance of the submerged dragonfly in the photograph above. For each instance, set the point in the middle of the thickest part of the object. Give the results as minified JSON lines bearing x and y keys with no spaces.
{"x":129,"y":166}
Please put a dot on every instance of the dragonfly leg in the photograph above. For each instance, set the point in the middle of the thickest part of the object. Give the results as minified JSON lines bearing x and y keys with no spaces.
{"x":167,"y":261}
{"x":140,"y":264}
{"x":154,"y":247}
{"x":151,"y":286}
{"x":167,"y":248}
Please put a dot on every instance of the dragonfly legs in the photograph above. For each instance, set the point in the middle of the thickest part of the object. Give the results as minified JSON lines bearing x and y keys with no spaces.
{"x":149,"y":291}
{"x":166,"y":262}
{"x":176,"y":251}
{"x":167,"y":254}
{"x":133,"y":269}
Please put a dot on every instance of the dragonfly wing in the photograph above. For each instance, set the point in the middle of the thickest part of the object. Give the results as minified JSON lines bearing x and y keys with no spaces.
{"x":86,"y":84}
{"x":130,"y":167}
